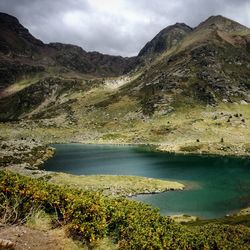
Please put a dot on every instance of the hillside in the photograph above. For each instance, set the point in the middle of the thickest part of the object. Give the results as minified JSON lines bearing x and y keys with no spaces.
{"x":187,"y":90}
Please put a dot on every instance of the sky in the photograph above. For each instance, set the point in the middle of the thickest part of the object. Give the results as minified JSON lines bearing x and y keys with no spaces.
{"x":117,"y":27}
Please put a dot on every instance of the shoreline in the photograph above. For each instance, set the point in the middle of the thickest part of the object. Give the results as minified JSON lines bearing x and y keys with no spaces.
{"x":155,"y":147}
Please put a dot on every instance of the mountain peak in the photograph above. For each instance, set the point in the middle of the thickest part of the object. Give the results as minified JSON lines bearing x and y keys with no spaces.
{"x":165,"y":39}
{"x":14,"y":37}
{"x":6,"y":18}
{"x":180,"y":25}
{"x":222,"y":23}
{"x":217,"y":18}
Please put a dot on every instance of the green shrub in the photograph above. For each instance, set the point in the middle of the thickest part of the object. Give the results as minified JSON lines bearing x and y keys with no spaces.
{"x":131,"y":225}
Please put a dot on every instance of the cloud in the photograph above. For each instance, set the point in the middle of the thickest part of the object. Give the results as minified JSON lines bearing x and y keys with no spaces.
{"x":120,"y":27}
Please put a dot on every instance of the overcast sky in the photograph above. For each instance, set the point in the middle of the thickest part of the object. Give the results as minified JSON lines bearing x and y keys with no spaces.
{"x":119,"y":27}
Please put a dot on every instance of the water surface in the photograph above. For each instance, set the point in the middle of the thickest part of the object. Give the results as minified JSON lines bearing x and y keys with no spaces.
{"x":219,"y":185}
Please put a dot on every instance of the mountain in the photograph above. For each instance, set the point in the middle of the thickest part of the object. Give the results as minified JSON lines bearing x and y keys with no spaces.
{"x":186,"y":86}
{"x":209,"y":64}
{"x":23,"y":55}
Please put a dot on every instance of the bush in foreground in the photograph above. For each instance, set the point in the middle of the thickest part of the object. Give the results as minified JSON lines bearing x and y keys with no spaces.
{"x":132,"y":225}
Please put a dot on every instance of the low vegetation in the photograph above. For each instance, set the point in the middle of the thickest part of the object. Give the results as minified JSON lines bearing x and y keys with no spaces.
{"x":90,"y":216}
{"x":115,"y":185}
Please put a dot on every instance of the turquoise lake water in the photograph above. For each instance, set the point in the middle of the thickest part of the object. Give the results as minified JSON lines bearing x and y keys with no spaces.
{"x":216,"y":185}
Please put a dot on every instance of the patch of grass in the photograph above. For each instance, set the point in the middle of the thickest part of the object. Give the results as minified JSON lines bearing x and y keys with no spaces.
{"x":40,"y":220}
{"x":111,"y":136}
{"x":162,"y":129}
{"x":104,"y":244}
{"x":115,"y":185}
{"x":21,"y":84}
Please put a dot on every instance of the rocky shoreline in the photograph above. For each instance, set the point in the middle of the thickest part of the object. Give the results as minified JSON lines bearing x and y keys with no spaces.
{"x":25,"y":156}
{"x":210,"y":149}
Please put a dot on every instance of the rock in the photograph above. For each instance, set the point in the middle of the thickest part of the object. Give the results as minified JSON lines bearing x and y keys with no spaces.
{"x":243,"y":102}
{"x":6,"y":244}
{"x":167,"y":111}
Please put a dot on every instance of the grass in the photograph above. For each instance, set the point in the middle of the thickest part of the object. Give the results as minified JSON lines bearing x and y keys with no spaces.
{"x":21,"y":84}
{"x":115,"y":185}
{"x":183,"y":218}
{"x":121,"y":122}
{"x":40,"y":220}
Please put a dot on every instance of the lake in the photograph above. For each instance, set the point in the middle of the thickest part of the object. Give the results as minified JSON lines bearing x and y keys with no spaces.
{"x":216,"y":185}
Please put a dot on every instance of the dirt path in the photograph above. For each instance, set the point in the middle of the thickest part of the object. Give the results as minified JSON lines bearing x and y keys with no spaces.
{"x":27,"y":238}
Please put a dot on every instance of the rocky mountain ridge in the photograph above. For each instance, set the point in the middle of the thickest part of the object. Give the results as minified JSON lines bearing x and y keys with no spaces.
{"x":21,"y":55}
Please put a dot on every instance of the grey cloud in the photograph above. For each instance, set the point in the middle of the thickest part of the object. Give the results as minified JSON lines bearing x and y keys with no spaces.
{"x":120,"y":27}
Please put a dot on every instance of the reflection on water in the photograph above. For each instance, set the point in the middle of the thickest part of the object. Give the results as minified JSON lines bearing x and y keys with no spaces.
{"x":220,"y":185}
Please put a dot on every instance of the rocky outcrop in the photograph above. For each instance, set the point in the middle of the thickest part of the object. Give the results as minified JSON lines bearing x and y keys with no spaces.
{"x":75,"y":58}
{"x":24,"y":153}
